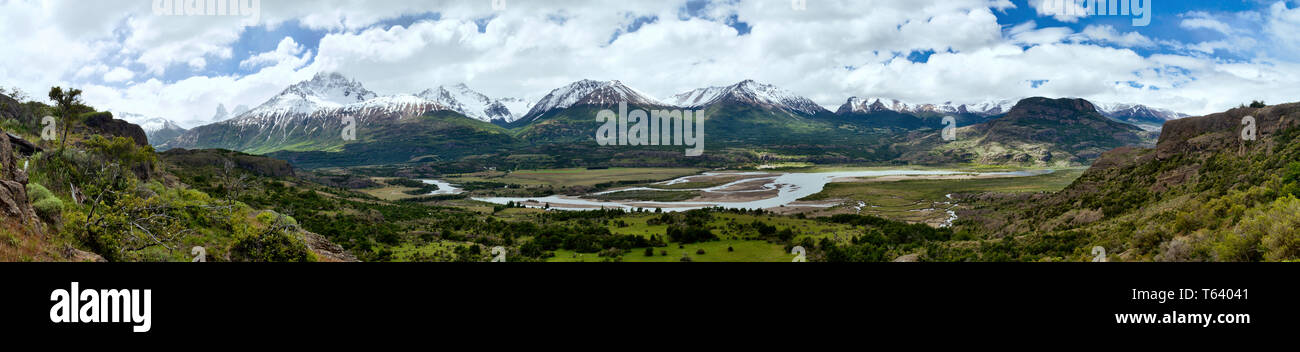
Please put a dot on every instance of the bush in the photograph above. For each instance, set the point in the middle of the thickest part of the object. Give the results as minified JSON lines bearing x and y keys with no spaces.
{"x":1278,"y":228}
{"x":270,"y":246}
{"x":689,"y":234}
{"x":649,"y":252}
{"x":47,"y":205}
{"x":699,"y":251}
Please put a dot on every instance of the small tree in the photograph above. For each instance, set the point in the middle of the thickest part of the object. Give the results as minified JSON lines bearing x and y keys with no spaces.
{"x":65,"y":104}
{"x":1258,"y":104}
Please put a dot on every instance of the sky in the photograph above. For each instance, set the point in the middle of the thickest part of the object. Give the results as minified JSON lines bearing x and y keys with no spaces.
{"x":1194,"y":56}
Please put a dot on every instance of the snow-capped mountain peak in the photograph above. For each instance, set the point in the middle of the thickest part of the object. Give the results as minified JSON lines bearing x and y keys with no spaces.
{"x":156,"y":129}
{"x":748,"y":92}
{"x":324,"y":91}
{"x":148,"y":124}
{"x":1148,"y":118}
{"x":590,"y":92}
{"x":469,"y":102}
{"x":877,"y":104}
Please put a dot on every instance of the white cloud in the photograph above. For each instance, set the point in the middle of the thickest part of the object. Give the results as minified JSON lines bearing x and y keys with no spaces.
{"x":1069,"y":11}
{"x":832,"y":50}
{"x":287,"y":51}
{"x":1108,"y":34}
{"x":119,"y":74}
{"x":1283,"y":25}
{"x":1202,"y":20}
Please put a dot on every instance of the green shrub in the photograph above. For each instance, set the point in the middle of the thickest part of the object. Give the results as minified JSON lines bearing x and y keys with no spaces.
{"x":46,"y":204}
{"x":270,"y":246}
{"x":37,"y":192}
{"x":1280,"y":228}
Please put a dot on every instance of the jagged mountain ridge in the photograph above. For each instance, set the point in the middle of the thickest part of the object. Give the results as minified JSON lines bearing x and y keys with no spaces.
{"x":590,"y":93}
{"x":749,"y":92}
{"x":1148,"y":118}
{"x":874,"y":105}
{"x":310,"y":115}
{"x":742,"y":115}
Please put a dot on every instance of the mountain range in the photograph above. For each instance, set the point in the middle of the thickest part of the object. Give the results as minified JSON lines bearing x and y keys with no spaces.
{"x":309,"y":118}
{"x":1148,"y":118}
{"x":158,"y":130}
{"x":1036,"y":131}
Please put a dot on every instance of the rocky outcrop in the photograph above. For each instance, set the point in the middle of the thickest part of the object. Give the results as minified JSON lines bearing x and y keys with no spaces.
{"x":1069,"y":123}
{"x":13,"y":185}
{"x":12,"y":109}
{"x":103,"y":123}
{"x":1224,"y":130}
{"x":1037,"y":131}
{"x":325,"y":250}
{"x":22,"y":146}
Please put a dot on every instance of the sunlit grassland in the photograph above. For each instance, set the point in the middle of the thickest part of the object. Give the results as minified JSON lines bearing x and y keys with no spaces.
{"x":745,"y":246}
{"x":937,"y":189}
{"x":388,"y":192}
{"x":900,"y":200}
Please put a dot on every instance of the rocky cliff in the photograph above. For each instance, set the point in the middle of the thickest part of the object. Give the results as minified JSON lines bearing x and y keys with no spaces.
{"x":14,"y":203}
{"x":103,"y":123}
{"x":1036,"y":131}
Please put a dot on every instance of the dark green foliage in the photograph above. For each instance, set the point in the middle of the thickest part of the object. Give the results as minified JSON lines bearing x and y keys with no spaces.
{"x":270,"y":246}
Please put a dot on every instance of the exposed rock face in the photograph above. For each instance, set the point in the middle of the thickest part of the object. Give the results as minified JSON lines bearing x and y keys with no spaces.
{"x":1223,"y":130}
{"x":11,"y":109}
{"x":1038,"y":131}
{"x":103,"y":123}
{"x":22,"y":146}
{"x":199,"y":158}
{"x":1066,"y":122}
{"x":910,"y":258}
{"x":13,"y":185}
{"x":325,"y":250}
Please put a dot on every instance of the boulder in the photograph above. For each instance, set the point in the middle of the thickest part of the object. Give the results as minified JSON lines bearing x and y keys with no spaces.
{"x":103,"y":123}
{"x":13,"y":185}
{"x":22,"y":146}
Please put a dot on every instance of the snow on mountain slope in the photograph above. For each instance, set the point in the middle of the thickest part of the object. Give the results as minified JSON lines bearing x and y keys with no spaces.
{"x":158,"y":130}
{"x":748,"y":92}
{"x":589,"y":92}
{"x":400,"y":104}
{"x":148,"y":124}
{"x":469,"y":103}
{"x":517,"y":107}
{"x":324,"y":91}
{"x":876,"y":104}
{"x":1138,"y":113}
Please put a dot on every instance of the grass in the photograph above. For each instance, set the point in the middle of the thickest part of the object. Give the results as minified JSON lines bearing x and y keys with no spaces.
{"x":389,"y":192}
{"x":746,"y":247}
{"x":903,"y":200}
{"x":937,"y":189}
